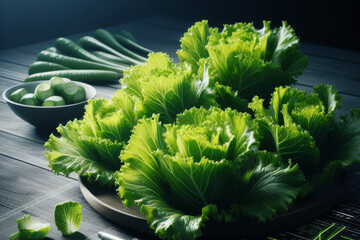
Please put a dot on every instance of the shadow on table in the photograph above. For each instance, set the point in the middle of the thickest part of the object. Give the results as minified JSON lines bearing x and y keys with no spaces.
{"x":74,"y":236}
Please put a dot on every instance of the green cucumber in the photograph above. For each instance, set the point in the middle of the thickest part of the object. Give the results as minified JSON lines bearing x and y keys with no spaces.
{"x":73,"y":93}
{"x":76,"y":75}
{"x":129,"y":43}
{"x":110,"y":57}
{"x":56,"y":83}
{"x":43,"y":91}
{"x":105,"y":37}
{"x":68,"y":47}
{"x":29,"y":99}
{"x":92,"y":43}
{"x":53,"y":101}
{"x":41,"y":66}
{"x":76,"y":63}
{"x":18,"y":94}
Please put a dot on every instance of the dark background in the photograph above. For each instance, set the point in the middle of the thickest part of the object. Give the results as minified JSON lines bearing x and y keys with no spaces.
{"x":331,"y":23}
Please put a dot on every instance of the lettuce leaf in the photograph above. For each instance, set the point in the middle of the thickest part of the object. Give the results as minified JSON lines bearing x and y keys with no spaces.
{"x":193,"y":44}
{"x":68,"y":217}
{"x":91,"y":147}
{"x":30,"y":229}
{"x":91,"y":157}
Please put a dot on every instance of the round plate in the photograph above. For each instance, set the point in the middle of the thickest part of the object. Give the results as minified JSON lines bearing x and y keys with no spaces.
{"x":106,"y":202}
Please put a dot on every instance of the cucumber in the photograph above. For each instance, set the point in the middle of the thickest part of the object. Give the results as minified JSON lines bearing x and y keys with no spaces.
{"x":76,"y":75}
{"x":75,"y":63}
{"x":29,"y":99}
{"x":127,"y":42}
{"x":127,"y":35}
{"x":18,"y":94}
{"x":105,"y":37}
{"x":110,"y":57}
{"x":92,"y":43}
{"x":68,"y":47}
{"x":56,"y":83}
{"x":41,"y":66}
{"x":52,"y":49}
{"x":53,"y":101}
{"x":73,"y":93}
{"x":43,"y":91}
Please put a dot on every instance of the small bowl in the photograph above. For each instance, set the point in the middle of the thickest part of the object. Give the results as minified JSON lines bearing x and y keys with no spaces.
{"x":48,"y":117}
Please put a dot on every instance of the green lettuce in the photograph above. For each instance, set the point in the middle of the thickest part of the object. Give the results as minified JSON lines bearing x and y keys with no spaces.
{"x":304,"y":128}
{"x":243,"y":61}
{"x":206,"y":166}
{"x":68,"y":217}
{"x":91,"y":147}
{"x":30,"y":229}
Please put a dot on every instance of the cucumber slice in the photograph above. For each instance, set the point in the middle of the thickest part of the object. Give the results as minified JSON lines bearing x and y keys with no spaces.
{"x":43,"y":91}
{"x":73,"y":93}
{"x":54,"y":101}
{"x":18,"y":94}
{"x":29,"y":99}
{"x":57,"y":83}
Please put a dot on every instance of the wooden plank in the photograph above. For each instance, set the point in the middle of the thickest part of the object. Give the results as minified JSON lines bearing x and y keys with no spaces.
{"x":21,"y":184}
{"x":24,"y":150}
{"x":343,"y":76}
{"x":43,"y":211}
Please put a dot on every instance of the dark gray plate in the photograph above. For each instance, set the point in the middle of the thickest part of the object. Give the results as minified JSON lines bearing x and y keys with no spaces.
{"x":105,"y":201}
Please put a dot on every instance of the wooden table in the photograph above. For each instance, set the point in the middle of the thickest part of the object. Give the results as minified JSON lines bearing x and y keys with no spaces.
{"x":27,"y":186}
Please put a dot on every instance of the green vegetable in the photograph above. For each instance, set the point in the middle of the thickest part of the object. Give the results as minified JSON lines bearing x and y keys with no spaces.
{"x":107,"y":125}
{"x":91,"y":147}
{"x":29,"y":99}
{"x":128,"y":35}
{"x":76,"y":75}
{"x":72,"y":49}
{"x":110,"y":57}
{"x":76,"y":63}
{"x":126,"y":40}
{"x":30,"y":229}
{"x":248,"y":61}
{"x":105,"y":37}
{"x":68,"y":217}
{"x":18,"y":94}
{"x":92,"y":43}
{"x":41,"y":66}
{"x":43,"y":91}
{"x":54,"y":101}
{"x":203,"y":167}
{"x":73,"y":93}
{"x":56,"y":83}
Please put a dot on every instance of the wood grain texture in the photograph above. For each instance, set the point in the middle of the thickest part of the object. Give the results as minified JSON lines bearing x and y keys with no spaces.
{"x":23,"y":184}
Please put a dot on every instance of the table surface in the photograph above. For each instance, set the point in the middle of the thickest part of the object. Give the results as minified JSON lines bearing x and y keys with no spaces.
{"x":27,"y":185}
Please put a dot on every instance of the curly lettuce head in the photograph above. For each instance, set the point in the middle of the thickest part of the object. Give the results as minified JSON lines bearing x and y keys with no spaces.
{"x":206,"y":166}
{"x":243,"y":61}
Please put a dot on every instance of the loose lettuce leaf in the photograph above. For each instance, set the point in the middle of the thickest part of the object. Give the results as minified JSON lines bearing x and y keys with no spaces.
{"x":30,"y":229}
{"x":68,"y":217}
